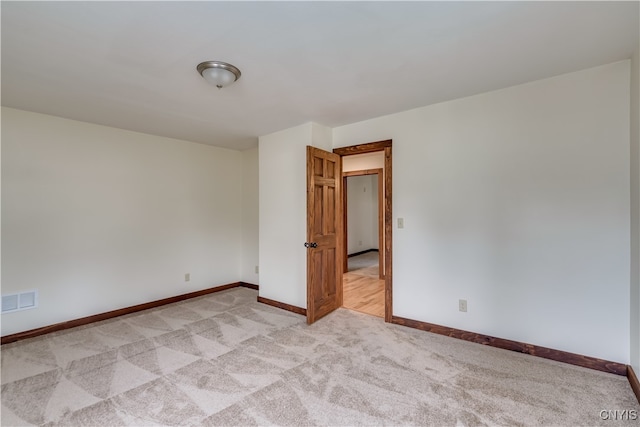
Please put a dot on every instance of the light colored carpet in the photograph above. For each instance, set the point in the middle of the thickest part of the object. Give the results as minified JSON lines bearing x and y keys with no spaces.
{"x":224,"y":359}
{"x":369,"y":261}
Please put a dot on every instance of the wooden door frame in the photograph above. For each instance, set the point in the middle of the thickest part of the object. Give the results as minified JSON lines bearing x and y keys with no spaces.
{"x":371,"y":147}
{"x":380,"y":217}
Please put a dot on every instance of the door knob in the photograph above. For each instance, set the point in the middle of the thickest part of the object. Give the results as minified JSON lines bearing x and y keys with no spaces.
{"x":310,"y":245}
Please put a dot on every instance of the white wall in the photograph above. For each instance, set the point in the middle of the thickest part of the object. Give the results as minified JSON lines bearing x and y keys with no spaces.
{"x":250,"y":217}
{"x":635,"y":211}
{"x":366,"y":161}
{"x":362,"y":213}
{"x":283,"y":211}
{"x":518,"y":201}
{"x":98,"y":218}
{"x":358,"y":162}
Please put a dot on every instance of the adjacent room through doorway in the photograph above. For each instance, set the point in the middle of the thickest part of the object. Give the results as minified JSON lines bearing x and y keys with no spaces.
{"x":363,"y":277}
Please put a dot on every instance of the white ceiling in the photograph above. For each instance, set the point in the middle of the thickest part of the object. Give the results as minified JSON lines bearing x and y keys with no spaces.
{"x":132,"y":65}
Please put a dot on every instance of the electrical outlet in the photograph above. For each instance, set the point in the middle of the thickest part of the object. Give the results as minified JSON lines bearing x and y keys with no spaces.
{"x":187,"y":277}
{"x":257,"y":270}
{"x":359,"y":242}
{"x":400,"y":222}
{"x":462,"y":305}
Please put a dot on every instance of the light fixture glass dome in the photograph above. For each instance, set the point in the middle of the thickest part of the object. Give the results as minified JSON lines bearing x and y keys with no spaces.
{"x":219,"y":74}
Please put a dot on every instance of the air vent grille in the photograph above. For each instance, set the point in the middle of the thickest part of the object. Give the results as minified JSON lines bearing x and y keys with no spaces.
{"x":20,"y":301}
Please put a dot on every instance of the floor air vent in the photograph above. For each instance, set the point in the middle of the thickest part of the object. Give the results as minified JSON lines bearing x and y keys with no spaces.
{"x":18,"y":302}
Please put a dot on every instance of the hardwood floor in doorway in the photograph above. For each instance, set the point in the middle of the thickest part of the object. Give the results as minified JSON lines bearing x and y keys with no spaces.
{"x":363,"y":291}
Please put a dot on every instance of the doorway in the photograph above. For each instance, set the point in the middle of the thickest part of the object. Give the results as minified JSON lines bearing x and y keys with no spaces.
{"x":363,"y":209}
{"x":363,"y":266}
{"x":375,"y":293}
{"x":325,"y":228}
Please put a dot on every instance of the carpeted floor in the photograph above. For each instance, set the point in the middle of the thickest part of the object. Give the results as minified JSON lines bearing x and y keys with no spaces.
{"x":224,"y":359}
{"x":368,"y":260}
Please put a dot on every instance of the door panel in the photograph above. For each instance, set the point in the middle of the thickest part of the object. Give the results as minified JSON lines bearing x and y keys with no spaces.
{"x":324,"y":220}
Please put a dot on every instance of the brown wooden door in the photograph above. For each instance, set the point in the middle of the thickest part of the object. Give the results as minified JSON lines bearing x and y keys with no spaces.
{"x":324,"y":222}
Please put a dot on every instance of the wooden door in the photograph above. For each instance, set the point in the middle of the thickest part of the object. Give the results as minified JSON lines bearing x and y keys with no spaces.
{"x":324,"y":222}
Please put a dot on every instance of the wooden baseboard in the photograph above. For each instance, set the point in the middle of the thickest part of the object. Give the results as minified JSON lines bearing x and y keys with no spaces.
{"x":115,"y":313}
{"x":362,"y":252}
{"x":633,"y":380}
{"x":288,"y":307}
{"x":249,"y":285}
{"x":534,"y":350}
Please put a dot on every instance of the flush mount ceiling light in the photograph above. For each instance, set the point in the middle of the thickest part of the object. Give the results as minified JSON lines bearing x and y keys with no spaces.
{"x":219,"y":74}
